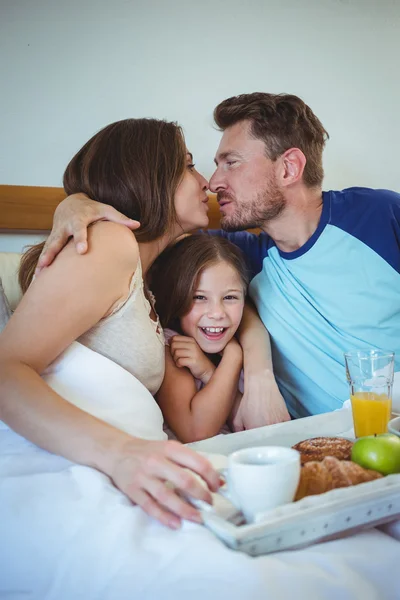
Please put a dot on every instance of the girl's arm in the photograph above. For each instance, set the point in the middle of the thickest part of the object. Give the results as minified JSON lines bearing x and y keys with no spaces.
{"x":262,"y":403}
{"x":61,"y":304}
{"x":195,"y":415}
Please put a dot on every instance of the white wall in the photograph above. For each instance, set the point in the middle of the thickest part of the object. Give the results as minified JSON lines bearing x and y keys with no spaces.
{"x":70,"y":67}
{"x":16,"y":242}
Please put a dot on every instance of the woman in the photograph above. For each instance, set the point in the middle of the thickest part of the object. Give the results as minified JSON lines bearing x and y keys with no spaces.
{"x":140,"y":167}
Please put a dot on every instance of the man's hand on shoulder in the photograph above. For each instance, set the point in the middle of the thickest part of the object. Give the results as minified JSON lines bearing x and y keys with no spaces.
{"x":72,"y":217}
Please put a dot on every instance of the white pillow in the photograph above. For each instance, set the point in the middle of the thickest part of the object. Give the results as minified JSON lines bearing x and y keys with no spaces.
{"x":9,"y":265}
{"x":5,"y":310}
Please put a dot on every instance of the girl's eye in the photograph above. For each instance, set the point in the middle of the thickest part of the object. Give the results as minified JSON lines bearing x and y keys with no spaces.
{"x":191,"y":167}
{"x":231,"y":297}
{"x":199,"y":297}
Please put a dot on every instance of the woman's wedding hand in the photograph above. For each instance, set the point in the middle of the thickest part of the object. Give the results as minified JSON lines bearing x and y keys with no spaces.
{"x":72,"y":217}
{"x":142,"y":469}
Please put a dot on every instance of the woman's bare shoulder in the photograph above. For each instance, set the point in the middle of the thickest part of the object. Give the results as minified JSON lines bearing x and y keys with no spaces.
{"x":113,"y":240}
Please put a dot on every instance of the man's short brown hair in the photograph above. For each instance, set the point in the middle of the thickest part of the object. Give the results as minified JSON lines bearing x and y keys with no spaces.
{"x":281,"y":121}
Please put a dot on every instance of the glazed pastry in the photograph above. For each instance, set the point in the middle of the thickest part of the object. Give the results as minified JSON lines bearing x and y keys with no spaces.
{"x":318,"y":477}
{"x":316,"y":449}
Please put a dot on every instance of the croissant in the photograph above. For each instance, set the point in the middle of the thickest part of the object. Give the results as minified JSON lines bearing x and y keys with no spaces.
{"x":319,"y":477}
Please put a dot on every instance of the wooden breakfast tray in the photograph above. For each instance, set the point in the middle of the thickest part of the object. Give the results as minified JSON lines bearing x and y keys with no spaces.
{"x":312,"y":519}
{"x":336,"y":423}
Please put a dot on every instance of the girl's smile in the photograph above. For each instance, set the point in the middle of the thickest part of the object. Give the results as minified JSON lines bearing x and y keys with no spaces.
{"x":217,"y":307}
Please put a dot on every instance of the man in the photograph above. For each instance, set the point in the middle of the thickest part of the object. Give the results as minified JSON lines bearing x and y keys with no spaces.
{"x":325,"y":267}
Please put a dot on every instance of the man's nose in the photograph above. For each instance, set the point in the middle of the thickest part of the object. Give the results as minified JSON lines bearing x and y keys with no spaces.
{"x":216,"y":183}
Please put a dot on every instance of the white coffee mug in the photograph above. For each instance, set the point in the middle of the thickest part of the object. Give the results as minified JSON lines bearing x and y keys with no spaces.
{"x":259,"y":479}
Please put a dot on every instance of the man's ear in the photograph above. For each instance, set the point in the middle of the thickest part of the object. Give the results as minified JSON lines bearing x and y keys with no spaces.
{"x":292,"y":165}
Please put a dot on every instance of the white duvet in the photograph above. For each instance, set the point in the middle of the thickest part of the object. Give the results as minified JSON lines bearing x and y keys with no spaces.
{"x":67,"y":533}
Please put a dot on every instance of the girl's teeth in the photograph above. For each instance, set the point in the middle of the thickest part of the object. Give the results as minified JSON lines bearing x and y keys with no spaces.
{"x":214,"y":329}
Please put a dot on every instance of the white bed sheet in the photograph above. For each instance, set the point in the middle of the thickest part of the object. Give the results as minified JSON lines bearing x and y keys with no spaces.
{"x":66,"y":533}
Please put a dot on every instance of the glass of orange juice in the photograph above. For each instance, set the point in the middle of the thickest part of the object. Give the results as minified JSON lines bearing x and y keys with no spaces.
{"x":370,"y":376}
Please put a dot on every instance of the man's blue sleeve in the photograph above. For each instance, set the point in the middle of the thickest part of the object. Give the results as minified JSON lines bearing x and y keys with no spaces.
{"x":373,"y":217}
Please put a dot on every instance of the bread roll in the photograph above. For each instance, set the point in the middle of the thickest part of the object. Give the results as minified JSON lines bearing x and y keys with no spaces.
{"x":320,"y":447}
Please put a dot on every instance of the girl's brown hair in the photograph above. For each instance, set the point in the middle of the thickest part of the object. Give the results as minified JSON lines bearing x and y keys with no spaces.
{"x":175,"y":274}
{"x":134,"y":165}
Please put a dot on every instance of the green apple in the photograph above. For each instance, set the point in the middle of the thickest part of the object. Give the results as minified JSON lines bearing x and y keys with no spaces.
{"x":378,"y":452}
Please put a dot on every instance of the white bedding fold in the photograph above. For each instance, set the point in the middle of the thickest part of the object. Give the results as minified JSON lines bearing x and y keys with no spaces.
{"x":104,"y":389}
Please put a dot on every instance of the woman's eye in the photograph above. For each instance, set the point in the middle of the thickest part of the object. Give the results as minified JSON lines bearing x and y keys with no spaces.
{"x":230,"y":297}
{"x":199,"y":297}
{"x":191,"y":167}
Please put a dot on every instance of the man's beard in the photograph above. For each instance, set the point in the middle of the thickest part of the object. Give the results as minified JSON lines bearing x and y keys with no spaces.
{"x":267,"y":205}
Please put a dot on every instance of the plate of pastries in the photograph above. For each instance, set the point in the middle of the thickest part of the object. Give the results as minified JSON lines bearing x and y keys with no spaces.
{"x":326,"y":465}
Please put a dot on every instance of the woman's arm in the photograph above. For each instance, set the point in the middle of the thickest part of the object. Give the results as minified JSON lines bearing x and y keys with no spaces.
{"x":60,"y":305}
{"x":195,"y":415}
{"x":262,"y":402}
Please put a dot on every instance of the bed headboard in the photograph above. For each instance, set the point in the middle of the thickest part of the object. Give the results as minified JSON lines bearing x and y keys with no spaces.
{"x":27,"y":208}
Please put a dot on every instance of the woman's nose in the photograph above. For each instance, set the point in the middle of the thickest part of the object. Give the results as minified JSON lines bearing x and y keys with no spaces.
{"x":205,"y":185}
{"x":203,"y":182}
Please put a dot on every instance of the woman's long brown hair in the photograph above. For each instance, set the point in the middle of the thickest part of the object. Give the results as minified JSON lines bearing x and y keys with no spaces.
{"x":134,"y":165}
{"x":175,"y":273}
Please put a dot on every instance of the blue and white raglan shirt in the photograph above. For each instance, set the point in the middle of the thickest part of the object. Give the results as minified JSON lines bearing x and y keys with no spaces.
{"x":339,"y":291}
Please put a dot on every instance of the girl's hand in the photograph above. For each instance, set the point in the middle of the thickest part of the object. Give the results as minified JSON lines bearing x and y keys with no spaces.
{"x":142,"y":469}
{"x":71,"y":219}
{"x":187,"y":353}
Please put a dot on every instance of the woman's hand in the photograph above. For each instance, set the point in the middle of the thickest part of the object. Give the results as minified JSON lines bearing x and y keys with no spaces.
{"x":187,"y":353}
{"x":142,"y":469}
{"x":71,"y":219}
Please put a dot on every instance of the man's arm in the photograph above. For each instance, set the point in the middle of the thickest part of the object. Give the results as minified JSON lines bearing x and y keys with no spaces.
{"x":262,"y":403}
{"x":75,"y":213}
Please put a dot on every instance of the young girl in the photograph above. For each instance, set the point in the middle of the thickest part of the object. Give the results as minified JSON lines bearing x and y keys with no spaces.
{"x":200,"y":288}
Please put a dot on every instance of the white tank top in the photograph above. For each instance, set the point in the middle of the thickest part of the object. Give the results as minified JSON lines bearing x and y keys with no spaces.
{"x":130,"y":337}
